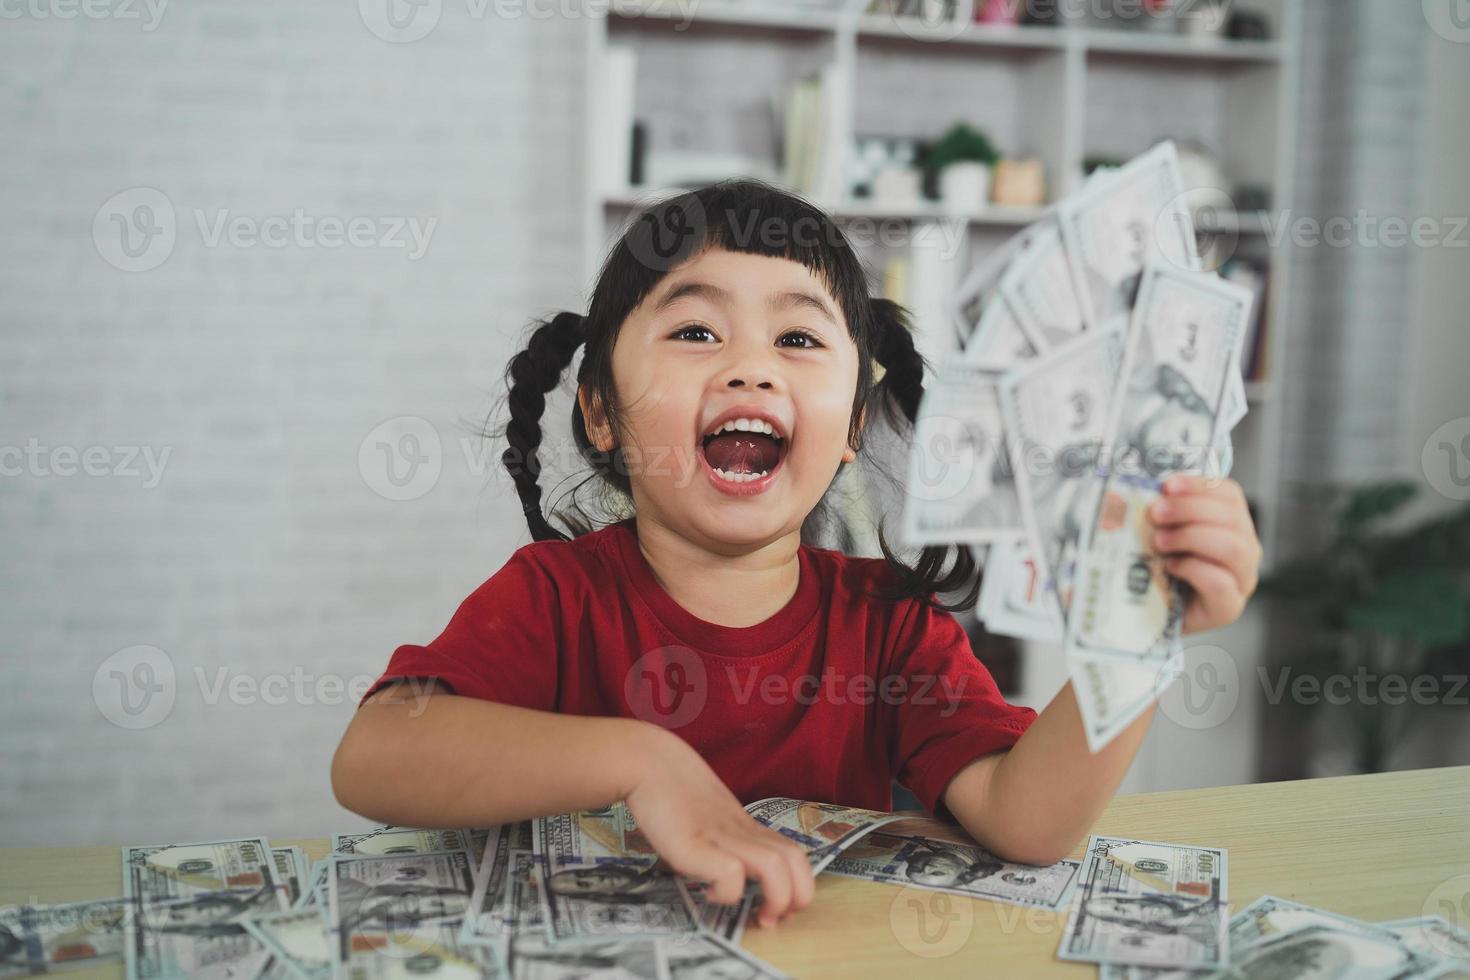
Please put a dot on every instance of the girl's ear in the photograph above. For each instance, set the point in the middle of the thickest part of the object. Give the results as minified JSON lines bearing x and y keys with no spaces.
{"x":850,"y":453}
{"x":596,"y":422}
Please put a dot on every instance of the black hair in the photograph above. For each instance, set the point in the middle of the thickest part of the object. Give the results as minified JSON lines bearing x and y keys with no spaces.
{"x":736,"y":215}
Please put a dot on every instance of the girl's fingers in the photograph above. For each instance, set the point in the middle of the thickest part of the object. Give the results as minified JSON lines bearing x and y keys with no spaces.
{"x":803,"y":884}
{"x":1220,"y":545}
{"x":1218,"y":598}
{"x":1198,"y":509}
{"x":1192,"y":483}
{"x":705,"y":861}
{"x":767,"y":866}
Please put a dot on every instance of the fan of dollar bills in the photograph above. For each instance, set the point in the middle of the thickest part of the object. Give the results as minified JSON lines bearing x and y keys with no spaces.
{"x":1099,"y":358}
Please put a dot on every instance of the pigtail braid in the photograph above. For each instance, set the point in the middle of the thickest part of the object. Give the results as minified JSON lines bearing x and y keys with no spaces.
{"x":531,"y":374}
{"x":903,"y":366}
{"x":903,"y":382}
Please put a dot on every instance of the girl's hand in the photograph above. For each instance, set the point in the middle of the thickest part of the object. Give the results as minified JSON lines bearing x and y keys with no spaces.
{"x":1203,"y":528}
{"x":699,"y":828}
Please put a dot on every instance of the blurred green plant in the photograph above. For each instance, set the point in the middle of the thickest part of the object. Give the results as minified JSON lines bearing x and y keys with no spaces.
{"x":1387,"y":601}
{"x":960,"y":142}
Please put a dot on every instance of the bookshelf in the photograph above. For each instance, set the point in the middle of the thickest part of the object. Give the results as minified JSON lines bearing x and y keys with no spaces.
{"x":714,"y":76}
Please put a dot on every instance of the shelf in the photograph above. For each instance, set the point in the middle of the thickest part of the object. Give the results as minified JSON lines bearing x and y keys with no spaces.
{"x":1013,"y":217}
{"x":1180,"y":47}
{"x":1113,"y":43}
{"x":977,"y":35}
{"x":795,"y":20}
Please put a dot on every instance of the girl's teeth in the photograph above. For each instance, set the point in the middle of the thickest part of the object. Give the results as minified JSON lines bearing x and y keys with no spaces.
{"x":740,"y":477}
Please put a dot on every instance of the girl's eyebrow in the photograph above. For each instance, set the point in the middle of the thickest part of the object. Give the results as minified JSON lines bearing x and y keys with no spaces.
{"x":777,"y":302}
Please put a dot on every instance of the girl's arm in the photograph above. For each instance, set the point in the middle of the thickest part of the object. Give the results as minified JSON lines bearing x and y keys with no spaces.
{"x":1036,"y":801}
{"x":1033,"y":802}
{"x":422,"y":757}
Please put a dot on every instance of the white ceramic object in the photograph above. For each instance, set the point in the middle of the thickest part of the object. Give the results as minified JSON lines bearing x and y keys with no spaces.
{"x":964,"y":187}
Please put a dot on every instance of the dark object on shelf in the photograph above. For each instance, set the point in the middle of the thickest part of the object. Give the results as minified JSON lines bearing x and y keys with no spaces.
{"x":961,"y":142}
{"x":1252,"y":197}
{"x":1386,"y":601}
{"x":1247,"y":25}
{"x":1040,"y":13}
{"x":1089,"y":164}
{"x":640,"y":151}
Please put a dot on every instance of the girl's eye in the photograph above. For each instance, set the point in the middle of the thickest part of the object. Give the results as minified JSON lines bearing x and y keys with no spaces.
{"x":678,"y":334}
{"x":811,"y":339}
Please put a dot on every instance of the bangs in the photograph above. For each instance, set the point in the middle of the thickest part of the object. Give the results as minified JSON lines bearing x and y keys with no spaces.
{"x":738,"y":215}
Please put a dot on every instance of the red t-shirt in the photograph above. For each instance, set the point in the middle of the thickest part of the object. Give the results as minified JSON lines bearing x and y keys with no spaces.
{"x":829,"y":699}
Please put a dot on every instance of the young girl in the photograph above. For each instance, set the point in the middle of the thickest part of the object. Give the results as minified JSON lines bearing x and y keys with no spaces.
{"x":694,"y":653}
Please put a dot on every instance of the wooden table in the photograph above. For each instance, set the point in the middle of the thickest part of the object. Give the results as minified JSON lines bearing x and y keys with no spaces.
{"x":1374,"y":847}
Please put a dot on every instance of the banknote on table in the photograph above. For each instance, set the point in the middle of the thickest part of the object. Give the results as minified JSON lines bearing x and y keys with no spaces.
{"x":1436,"y":938}
{"x":401,"y":840}
{"x":293,"y":871}
{"x":1270,"y":915}
{"x":726,"y":921}
{"x":399,"y":915}
{"x":491,"y":918}
{"x":823,"y":830}
{"x":37,"y":939}
{"x":926,"y":853}
{"x":960,"y":486}
{"x":1013,"y":599}
{"x":1330,"y":951}
{"x":599,"y":878}
{"x":298,"y":939}
{"x":1111,"y":693}
{"x":315,"y":894}
{"x":1118,"y":222}
{"x":1183,"y":340}
{"x":1040,"y":290}
{"x":1055,"y":413}
{"x":705,"y":957}
{"x":533,"y":957}
{"x":1148,"y":903}
{"x":188,"y":903}
{"x":1335,"y":946}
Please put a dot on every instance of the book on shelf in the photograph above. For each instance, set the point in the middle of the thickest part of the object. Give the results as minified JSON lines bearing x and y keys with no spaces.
{"x":814,"y":132}
{"x":1255,"y":276}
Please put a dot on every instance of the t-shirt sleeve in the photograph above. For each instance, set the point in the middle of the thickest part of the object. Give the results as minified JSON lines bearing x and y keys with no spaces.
{"x":500,"y":645}
{"x":948,"y":711}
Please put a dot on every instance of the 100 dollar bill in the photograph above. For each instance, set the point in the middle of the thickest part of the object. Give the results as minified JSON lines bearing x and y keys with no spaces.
{"x":1148,"y":903}
{"x":1183,"y":342}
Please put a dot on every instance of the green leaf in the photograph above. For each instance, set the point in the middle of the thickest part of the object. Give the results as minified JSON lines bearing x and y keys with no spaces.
{"x":961,"y":142}
{"x":1373,"y":502}
{"x":1428,"y":607}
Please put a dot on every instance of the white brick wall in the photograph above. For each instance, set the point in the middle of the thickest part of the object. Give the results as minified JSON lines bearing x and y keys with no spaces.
{"x":262,"y":550}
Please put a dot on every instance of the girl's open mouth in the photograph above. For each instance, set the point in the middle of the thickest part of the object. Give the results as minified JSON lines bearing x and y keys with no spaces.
{"x":742,"y":461}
